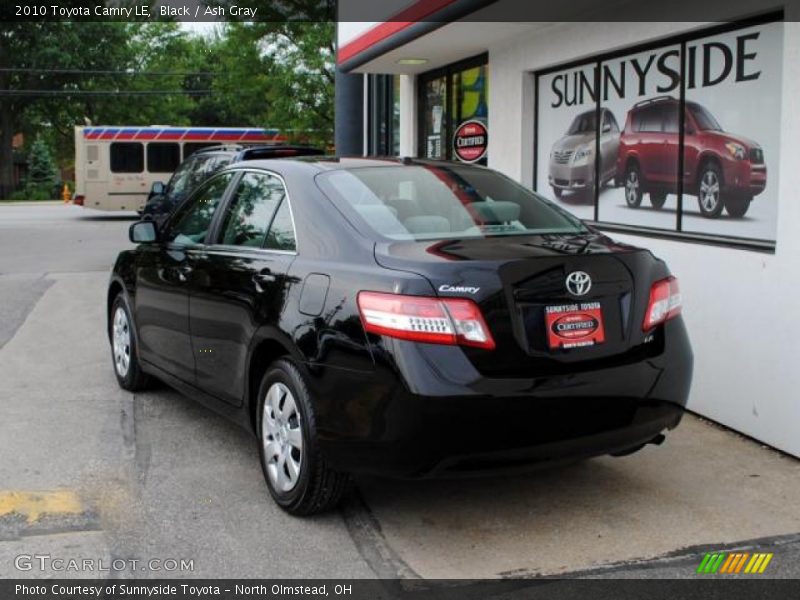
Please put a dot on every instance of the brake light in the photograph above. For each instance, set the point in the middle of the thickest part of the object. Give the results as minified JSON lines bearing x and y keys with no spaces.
{"x":452,"y":321}
{"x":664,"y":303}
{"x":78,"y":200}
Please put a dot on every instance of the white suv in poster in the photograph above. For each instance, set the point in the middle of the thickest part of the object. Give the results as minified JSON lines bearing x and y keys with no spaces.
{"x":572,"y":164}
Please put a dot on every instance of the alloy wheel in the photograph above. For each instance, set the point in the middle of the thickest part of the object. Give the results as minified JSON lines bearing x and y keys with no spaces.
{"x":282,"y":438}
{"x":632,"y":187}
{"x":709,"y":191}
{"x":121,"y":340}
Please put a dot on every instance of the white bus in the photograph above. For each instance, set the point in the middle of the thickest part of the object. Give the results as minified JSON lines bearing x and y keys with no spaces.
{"x":116,"y":166}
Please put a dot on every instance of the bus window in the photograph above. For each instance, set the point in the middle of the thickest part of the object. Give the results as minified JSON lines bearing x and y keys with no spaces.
{"x":127,"y":157}
{"x":163,"y":157}
{"x":190,"y":148}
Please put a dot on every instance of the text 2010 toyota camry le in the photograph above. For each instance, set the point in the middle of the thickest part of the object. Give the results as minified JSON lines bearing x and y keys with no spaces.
{"x":399,"y":317}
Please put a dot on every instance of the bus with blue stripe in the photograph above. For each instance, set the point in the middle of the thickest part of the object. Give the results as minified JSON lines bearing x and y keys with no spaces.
{"x":115,"y":166}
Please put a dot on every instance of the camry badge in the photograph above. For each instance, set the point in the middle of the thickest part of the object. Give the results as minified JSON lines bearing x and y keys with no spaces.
{"x":579,"y":283}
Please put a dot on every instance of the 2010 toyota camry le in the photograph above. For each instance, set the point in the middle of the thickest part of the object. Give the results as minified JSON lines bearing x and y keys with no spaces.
{"x":401,"y":317}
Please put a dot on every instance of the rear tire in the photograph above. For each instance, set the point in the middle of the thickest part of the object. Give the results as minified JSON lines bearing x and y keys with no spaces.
{"x":297,"y":476}
{"x":709,"y":191}
{"x":633,"y":186}
{"x":658,"y":199}
{"x":124,"y":348}
{"x":737,"y":205}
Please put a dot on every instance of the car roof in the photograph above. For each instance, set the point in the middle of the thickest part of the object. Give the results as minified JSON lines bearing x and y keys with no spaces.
{"x":652,"y":101}
{"x":318,"y":164}
{"x":243,"y":152}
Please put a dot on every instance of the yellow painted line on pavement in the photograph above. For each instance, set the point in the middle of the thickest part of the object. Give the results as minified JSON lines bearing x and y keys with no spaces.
{"x":33,"y":505}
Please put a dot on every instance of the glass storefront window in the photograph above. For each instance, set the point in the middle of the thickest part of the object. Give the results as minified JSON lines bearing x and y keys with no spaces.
{"x":449,"y":97}
{"x":435,"y":92}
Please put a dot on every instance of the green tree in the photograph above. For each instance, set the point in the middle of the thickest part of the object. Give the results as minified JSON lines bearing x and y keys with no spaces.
{"x":41,"y":63}
{"x":277,"y":75}
{"x":41,"y":168}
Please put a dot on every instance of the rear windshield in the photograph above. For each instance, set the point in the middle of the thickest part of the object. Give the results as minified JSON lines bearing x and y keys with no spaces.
{"x":425,"y":202}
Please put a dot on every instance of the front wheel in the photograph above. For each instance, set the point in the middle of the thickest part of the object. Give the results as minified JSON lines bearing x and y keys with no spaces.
{"x":297,"y":476}
{"x":709,"y":193}
{"x":557,"y":192}
{"x":737,"y":205}
{"x":123,"y":348}
{"x":633,"y":186}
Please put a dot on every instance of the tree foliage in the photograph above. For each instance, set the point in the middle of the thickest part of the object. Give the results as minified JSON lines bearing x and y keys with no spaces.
{"x":56,"y":75}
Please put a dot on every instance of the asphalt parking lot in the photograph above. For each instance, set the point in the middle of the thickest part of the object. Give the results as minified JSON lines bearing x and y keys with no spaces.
{"x":88,"y":470}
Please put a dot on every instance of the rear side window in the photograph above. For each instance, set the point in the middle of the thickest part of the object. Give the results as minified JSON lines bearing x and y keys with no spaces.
{"x":442,"y":202}
{"x":163,"y":157}
{"x":127,"y":157}
{"x":648,"y":119}
{"x":254,"y":202}
{"x":281,"y":233}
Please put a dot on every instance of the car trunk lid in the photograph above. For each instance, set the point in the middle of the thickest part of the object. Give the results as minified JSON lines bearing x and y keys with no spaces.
{"x":516,"y":280}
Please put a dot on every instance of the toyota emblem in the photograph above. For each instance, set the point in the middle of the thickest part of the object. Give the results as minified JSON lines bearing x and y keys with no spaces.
{"x":579,"y":283}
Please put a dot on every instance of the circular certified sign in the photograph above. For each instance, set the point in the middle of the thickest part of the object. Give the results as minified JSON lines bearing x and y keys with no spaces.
{"x":470,"y":141}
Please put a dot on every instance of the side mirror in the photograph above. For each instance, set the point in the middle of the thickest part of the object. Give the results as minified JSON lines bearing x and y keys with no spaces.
{"x":688,"y":129}
{"x":158,"y":188}
{"x":606,"y":127}
{"x":143,"y":232}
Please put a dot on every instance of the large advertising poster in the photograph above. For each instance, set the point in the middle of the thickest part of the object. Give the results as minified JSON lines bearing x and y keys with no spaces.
{"x":725,"y":89}
{"x":566,"y":131}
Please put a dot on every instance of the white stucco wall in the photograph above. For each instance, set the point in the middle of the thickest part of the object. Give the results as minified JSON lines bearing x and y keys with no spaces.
{"x":739,"y":305}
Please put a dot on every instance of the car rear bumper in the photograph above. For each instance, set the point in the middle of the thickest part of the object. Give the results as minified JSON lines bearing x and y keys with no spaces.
{"x":413,"y":420}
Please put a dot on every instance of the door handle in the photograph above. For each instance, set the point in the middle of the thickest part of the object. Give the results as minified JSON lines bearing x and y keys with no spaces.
{"x":183,"y":273}
{"x":264,"y":276}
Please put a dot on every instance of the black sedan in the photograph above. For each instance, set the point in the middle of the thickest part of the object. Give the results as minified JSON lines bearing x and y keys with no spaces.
{"x":401,"y":317}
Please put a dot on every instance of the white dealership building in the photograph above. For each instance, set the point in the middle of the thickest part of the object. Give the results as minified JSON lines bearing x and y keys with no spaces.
{"x":569,"y":104}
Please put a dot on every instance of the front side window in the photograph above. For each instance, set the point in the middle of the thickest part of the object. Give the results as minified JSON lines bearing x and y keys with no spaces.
{"x":127,"y":157}
{"x":436,"y":202}
{"x":704,"y":119}
{"x":254,"y":202}
{"x":610,"y":123}
{"x":193,"y":219}
{"x":583,"y":123}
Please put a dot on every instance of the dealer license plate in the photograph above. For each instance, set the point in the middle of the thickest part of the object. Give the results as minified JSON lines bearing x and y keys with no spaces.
{"x":574,"y":325}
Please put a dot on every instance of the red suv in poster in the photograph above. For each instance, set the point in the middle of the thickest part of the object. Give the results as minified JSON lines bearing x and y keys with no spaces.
{"x":723,"y":170}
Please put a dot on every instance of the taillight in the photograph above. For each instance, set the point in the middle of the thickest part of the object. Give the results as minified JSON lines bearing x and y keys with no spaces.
{"x":78,"y":200}
{"x":664,"y":303}
{"x":453,"y":321}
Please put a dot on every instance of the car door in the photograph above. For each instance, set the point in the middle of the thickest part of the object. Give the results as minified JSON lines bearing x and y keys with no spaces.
{"x":669,"y":144}
{"x":650,"y":139}
{"x":163,"y":278}
{"x":241,"y":282}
